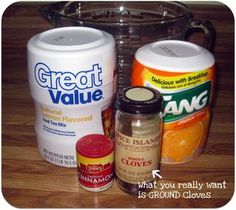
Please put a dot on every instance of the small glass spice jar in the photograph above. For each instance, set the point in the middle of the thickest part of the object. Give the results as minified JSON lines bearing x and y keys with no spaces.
{"x":138,"y":131}
{"x":95,"y":160}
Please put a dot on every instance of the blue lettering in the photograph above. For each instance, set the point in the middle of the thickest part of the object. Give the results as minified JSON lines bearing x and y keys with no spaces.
{"x":55,"y":99}
{"x":68,"y":88}
{"x":75,"y":97}
{"x":84,"y":100}
{"x":67,"y":99}
{"x":41,"y":73}
{"x":67,"y":80}
{"x":97,"y":95}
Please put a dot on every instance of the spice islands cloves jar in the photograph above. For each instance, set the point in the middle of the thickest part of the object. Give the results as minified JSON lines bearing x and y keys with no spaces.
{"x":138,"y":131}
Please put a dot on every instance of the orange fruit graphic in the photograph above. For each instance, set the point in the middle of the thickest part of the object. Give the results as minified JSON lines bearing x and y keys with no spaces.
{"x":180,"y":144}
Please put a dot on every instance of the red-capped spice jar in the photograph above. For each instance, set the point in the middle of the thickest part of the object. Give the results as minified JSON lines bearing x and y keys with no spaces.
{"x":95,"y":160}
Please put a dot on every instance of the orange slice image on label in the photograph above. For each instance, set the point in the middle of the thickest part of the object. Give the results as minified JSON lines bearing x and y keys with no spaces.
{"x":180,"y":144}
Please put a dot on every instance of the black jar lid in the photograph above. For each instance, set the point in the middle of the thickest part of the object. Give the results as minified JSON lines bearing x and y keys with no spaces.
{"x":139,"y":100}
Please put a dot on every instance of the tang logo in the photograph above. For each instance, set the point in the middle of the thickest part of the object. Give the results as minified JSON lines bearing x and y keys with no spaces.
{"x":181,"y":104}
{"x":68,"y":88}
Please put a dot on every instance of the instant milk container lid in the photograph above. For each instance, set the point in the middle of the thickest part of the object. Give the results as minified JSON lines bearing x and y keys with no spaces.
{"x":174,"y":56}
{"x":72,"y":38}
{"x":77,"y":47}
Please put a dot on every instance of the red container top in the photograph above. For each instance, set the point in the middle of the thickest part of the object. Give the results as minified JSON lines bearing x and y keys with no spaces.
{"x":94,"y":146}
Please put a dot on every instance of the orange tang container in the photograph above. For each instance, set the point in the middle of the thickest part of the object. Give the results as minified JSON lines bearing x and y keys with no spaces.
{"x":184,"y":73}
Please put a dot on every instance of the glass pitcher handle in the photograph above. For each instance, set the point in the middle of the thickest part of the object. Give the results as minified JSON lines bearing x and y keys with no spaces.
{"x":207,"y":28}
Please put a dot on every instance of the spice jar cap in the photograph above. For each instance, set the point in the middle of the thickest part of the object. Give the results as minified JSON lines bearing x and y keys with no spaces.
{"x":139,"y":100}
{"x":94,"y":146}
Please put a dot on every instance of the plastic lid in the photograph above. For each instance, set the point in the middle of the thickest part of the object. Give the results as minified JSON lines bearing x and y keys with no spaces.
{"x":72,"y":38}
{"x":139,"y":100}
{"x":94,"y":146}
{"x":174,"y":56}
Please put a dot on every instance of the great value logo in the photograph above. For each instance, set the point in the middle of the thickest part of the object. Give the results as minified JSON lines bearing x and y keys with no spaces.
{"x":68,"y":88}
{"x":181,"y":104}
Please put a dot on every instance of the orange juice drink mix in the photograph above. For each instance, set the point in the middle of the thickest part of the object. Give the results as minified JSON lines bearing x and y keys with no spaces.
{"x":184,"y":73}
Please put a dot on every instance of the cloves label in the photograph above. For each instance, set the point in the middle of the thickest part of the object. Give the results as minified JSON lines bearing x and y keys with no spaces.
{"x":135,"y":158}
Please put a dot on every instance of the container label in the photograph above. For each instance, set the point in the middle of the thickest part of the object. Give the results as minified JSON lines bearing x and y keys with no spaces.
{"x":136,"y":157}
{"x":68,"y":88}
{"x":95,"y":172}
{"x":175,"y":82}
{"x":63,"y":93}
{"x":69,"y":100}
{"x":184,"y":103}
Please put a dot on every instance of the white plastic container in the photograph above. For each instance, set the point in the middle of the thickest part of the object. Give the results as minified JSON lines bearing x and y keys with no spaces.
{"x":71,"y":75}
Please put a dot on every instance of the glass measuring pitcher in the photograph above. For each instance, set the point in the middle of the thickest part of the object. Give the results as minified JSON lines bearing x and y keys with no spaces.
{"x":133,"y":24}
